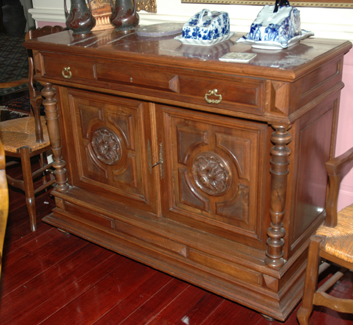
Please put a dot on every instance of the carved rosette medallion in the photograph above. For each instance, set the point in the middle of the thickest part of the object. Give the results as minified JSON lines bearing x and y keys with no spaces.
{"x":211,"y":174}
{"x":106,"y":145}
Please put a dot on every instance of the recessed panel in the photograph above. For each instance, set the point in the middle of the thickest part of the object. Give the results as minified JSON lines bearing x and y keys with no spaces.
{"x":214,"y":168}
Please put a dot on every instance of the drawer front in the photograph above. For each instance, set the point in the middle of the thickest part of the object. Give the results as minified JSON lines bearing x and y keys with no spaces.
{"x":138,"y":76}
{"x":236,"y":94}
{"x":67,"y":67}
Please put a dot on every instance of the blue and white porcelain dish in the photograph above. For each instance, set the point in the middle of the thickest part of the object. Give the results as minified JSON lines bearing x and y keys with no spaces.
{"x":190,"y":41}
{"x":207,"y":25}
{"x":272,"y":45}
{"x":278,"y":27}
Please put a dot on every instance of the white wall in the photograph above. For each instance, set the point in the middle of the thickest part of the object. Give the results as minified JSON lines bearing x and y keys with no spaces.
{"x":324,"y":22}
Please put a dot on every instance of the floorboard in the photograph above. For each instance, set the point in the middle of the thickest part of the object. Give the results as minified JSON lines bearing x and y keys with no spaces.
{"x":137,"y":299}
{"x":180,"y":307}
{"x":50,"y":277}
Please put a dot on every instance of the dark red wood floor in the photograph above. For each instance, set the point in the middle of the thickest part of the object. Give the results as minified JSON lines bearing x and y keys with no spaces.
{"x":50,"y":277}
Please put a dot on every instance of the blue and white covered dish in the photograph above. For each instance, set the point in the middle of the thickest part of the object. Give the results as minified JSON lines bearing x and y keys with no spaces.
{"x":207,"y":25}
{"x":281,"y":27}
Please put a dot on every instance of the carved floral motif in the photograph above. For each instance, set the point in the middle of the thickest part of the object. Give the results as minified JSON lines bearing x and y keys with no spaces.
{"x":211,"y":173}
{"x":106,"y":146}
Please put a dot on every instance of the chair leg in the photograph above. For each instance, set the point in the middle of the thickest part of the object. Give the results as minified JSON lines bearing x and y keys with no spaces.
{"x":43,"y":162}
{"x":311,"y":279}
{"x":28,"y":186}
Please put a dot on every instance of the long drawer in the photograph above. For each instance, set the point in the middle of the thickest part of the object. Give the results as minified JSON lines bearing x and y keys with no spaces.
{"x":233,"y":93}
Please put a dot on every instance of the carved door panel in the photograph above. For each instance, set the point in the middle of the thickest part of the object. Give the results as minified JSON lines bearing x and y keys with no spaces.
{"x":111,"y":138}
{"x":212,"y":172}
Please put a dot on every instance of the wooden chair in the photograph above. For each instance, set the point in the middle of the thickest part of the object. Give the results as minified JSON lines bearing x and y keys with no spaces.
{"x":28,"y":137}
{"x":333,"y":241}
{"x":4,"y":201}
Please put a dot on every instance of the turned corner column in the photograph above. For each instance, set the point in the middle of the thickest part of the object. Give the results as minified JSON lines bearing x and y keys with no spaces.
{"x":279,"y":173}
{"x":52,"y":117}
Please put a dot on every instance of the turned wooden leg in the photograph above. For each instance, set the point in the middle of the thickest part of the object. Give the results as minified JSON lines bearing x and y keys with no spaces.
{"x":52,"y":117}
{"x":279,"y":172}
{"x":28,"y":186}
{"x":312,"y":272}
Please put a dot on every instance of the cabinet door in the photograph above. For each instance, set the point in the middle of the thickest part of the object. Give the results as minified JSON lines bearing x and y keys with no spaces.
{"x":109,"y":139}
{"x":214,"y":175}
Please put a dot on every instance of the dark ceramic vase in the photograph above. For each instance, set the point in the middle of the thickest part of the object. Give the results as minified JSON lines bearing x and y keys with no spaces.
{"x":14,"y":19}
{"x":80,"y":18}
{"x":124,"y":14}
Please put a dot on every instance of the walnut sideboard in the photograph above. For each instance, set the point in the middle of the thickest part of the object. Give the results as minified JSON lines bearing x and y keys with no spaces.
{"x":210,"y":171}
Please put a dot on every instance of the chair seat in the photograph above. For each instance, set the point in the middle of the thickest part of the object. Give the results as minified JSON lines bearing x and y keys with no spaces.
{"x":338,"y":241}
{"x":20,"y":132}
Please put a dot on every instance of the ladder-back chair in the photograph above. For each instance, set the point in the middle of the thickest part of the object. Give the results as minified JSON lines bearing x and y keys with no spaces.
{"x":26,"y":137}
{"x":333,"y":242}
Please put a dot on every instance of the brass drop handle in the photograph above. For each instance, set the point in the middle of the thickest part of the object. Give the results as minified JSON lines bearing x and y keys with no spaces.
{"x":67,"y":74}
{"x":213,"y":93}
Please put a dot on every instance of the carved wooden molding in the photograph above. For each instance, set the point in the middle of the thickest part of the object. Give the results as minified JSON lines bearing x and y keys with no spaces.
{"x":211,"y":174}
{"x":303,"y":3}
{"x":106,"y":145}
{"x":280,"y":97}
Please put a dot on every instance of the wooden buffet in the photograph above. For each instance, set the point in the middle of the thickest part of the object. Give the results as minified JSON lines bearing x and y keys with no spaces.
{"x":210,"y":171}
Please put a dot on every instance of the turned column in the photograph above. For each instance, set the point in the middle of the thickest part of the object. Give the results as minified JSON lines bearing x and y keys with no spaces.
{"x":279,"y":172}
{"x":52,"y":117}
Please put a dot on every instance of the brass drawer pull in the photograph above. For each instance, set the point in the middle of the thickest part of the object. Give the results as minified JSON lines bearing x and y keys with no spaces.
{"x":67,"y":74}
{"x":214,"y":93}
